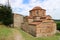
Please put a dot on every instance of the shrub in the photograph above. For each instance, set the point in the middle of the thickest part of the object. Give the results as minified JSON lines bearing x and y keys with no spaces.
{"x":6,"y":16}
{"x":58,"y":26}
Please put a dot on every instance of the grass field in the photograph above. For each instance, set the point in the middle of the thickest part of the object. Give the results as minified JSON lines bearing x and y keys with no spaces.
{"x":5,"y":32}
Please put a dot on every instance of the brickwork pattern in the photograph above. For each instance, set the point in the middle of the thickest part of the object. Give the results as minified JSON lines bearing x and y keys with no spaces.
{"x":39,"y":24}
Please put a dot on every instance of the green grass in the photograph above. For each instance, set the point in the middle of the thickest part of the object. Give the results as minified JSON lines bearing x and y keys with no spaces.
{"x":27,"y":36}
{"x":4,"y":32}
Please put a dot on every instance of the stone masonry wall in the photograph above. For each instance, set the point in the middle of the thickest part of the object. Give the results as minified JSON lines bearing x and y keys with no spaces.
{"x":18,"y":19}
{"x":46,"y":29}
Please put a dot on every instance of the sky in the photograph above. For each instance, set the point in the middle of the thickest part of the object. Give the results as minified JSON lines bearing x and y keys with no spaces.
{"x":23,"y":6}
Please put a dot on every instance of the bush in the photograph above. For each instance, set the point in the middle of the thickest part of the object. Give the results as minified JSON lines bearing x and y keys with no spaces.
{"x":6,"y":16}
{"x":58,"y":26}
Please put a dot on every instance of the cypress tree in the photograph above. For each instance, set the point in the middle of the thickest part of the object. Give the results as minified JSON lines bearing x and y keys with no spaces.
{"x":6,"y":16}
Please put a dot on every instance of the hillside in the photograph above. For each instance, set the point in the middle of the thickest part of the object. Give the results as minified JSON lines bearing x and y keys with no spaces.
{"x":58,"y":24}
{"x":7,"y":33}
{"x":29,"y":37}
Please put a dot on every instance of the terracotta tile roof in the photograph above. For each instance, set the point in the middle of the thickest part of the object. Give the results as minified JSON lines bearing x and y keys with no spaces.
{"x":29,"y":17}
{"x":48,"y":17}
{"x":44,"y":17}
{"x":37,"y":8}
{"x":38,"y":20}
{"x":35,"y":23}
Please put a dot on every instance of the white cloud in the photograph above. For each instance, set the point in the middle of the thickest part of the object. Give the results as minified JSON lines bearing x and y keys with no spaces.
{"x":3,"y":1}
{"x":52,"y":6}
{"x":16,"y":3}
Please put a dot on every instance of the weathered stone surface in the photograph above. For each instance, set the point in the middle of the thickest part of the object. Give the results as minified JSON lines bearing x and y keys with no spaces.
{"x":18,"y":19}
{"x":37,"y":23}
{"x":40,"y":24}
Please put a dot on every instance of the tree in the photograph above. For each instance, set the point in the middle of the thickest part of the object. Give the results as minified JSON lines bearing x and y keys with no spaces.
{"x":6,"y":16}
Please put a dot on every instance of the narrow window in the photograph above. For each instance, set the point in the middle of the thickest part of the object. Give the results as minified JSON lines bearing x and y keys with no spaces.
{"x":37,"y":12}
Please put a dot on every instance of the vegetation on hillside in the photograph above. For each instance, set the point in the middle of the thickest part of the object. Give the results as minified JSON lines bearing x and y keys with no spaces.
{"x":6,"y":16}
{"x":4,"y":32}
{"x":58,"y":24}
{"x":7,"y":33}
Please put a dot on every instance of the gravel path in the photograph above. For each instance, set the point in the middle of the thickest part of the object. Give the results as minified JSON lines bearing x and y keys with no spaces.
{"x":17,"y":35}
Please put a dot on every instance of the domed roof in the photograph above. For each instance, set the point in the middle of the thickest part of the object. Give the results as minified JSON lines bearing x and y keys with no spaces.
{"x":37,"y":7}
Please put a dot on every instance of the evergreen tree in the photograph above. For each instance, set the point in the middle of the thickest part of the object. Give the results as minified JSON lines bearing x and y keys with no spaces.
{"x":6,"y":16}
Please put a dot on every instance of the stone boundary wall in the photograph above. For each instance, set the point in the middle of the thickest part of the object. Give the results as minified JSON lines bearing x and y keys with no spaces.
{"x":18,"y":19}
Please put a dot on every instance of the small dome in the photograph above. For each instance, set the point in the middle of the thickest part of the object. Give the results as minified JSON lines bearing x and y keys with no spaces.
{"x":48,"y":17}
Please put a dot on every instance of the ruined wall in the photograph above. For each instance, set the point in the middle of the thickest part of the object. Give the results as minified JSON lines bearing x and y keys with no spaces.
{"x":18,"y":19}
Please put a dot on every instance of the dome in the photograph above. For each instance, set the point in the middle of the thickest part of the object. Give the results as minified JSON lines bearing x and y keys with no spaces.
{"x":37,"y":7}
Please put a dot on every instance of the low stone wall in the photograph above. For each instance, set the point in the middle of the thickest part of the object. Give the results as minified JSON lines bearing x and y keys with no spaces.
{"x":31,"y":29}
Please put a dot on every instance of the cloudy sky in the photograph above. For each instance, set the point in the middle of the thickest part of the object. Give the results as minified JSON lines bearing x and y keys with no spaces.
{"x":23,"y":6}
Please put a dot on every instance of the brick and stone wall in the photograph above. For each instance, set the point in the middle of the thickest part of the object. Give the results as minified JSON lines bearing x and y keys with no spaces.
{"x":18,"y":19}
{"x":46,"y":29}
{"x":37,"y":23}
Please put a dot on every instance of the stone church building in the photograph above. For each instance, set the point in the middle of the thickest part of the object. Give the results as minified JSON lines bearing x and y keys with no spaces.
{"x":37,"y":23}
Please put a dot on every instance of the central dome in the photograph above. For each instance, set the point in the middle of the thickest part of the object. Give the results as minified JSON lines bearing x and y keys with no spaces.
{"x":37,"y":7}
